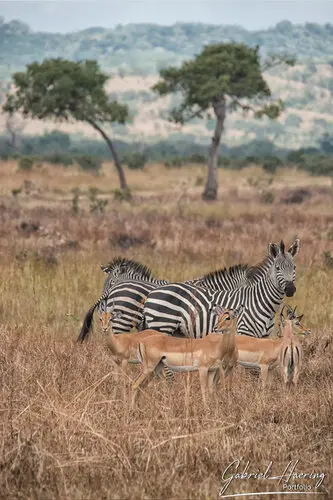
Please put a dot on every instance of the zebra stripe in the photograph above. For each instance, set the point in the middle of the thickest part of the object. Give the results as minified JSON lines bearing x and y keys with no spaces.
{"x":183,"y":307}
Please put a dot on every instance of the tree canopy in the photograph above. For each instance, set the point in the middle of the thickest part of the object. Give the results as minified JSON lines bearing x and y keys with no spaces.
{"x":223,"y":77}
{"x":66,"y":90}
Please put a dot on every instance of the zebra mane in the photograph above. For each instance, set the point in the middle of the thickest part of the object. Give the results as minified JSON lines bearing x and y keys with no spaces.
{"x":129,"y":265}
{"x":257,"y":271}
{"x":225,"y":272}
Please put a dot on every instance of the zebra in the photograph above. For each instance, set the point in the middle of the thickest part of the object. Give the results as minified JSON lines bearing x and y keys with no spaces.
{"x":129,"y":283}
{"x":128,"y":298}
{"x":191,"y":307}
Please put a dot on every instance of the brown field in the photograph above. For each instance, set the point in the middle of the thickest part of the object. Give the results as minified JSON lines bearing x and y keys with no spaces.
{"x":67,"y":430}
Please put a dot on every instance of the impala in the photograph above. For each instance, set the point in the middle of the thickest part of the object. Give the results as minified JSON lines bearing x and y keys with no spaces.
{"x":214,"y":353}
{"x":123,"y":346}
{"x":266,"y":354}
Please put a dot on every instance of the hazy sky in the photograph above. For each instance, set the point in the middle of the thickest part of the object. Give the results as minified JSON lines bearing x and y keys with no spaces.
{"x":64,"y":15}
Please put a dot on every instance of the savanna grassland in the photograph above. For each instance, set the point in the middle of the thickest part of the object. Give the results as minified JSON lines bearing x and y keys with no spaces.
{"x":67,"y":430}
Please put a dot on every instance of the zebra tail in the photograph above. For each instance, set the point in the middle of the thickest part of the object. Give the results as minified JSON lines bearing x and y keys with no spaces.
{"x":87,"y":323}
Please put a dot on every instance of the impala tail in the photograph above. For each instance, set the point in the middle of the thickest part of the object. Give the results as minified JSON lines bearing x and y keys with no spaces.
{"x":290,"y":361}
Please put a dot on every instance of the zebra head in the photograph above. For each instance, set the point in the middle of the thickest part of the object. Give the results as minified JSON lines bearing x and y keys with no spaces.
{"x":106,"y":316}
{"x":283,"y":266}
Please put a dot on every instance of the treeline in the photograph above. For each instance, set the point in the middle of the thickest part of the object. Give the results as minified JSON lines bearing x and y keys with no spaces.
{"x":145,"y":48}
{"x":59,"y":148}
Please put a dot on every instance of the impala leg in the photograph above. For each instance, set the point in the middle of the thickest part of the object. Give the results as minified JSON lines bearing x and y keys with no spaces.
{"x":203,"y":375}
{"x":116,"y":368}
{"x":229,"y":376}
{"x":142,"y":380}
{"x":263,"y":375}
{"x":212,"y":380}
{"x":124,"y":364}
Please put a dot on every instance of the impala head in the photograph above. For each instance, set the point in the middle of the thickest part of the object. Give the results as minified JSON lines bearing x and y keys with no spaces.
{"x":106,"y":317}
{"x":284,"y":269}
{"x":225,"y":317}
{"x":296,"y":321}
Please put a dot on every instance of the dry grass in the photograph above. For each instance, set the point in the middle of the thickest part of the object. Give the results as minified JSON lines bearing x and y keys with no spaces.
{"x":67,"y":431}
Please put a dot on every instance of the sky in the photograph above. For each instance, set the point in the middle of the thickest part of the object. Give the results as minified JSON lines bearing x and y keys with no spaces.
{"x":65,"y":16}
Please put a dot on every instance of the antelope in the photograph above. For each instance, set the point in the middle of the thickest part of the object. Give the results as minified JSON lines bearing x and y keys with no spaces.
{"x":123,"y":346}
{"x":214,"y":353}
{"x":269,"y":353}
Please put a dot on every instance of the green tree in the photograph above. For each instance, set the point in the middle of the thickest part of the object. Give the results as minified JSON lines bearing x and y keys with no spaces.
{"x":67,"y":90}
{"x":223,"y":77}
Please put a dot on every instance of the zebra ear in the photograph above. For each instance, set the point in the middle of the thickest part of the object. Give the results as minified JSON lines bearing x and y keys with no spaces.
{"x":273,"y":250}
{"x":294,"y":248}
{"x":105,"y":269}
{"x":282,"y":247}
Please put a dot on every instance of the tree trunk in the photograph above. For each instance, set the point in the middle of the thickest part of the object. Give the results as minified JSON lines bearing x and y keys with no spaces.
{"x":120,"y":170}
{"x":210,"y":192}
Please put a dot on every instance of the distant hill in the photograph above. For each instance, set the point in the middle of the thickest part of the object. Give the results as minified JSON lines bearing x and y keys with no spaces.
{"x":145,"y":47}
{"x":134,"y":53}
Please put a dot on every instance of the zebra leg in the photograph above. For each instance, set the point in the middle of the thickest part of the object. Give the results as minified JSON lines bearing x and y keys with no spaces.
{"x":167,"y":372}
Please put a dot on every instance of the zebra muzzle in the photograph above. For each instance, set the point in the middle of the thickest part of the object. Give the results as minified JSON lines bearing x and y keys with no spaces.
{"x":290,"y":289}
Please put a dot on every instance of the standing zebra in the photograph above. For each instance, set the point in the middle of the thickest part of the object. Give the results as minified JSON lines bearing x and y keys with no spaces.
{"x":183,"y":307}
{"x":129,"y":283}
{"x":127,"y":297}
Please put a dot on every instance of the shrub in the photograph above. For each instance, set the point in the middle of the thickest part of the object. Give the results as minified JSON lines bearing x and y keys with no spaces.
{"x":122,"y":194}
{"x":267,"y":197}
{"x":270,"y":164}
{"x":90,"y":163}
{"x":96,"y":205}
{"x":175,"y":162}
{"x":136,"y":161}
{"x":59,"y":159}
{"x":25,"y":163}
{"x":196,"y":158}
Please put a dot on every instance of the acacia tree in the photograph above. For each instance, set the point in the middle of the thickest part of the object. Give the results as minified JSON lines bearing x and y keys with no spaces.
{"x":223,"y":77}
{"x":65,"y":91}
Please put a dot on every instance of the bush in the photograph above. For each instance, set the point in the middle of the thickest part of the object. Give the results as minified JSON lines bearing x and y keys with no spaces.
{"x":122,"y":194}
{"x":232,"y":163}
{"x":90,"y":163}
{"x":136,"y":161}
{"x":270,"y":164}
{"x":267,"y":197}
{"x":25,"y":163}
{"x":175,"y":162}
{"x":59,"y":159}
{"x":196,"y":158}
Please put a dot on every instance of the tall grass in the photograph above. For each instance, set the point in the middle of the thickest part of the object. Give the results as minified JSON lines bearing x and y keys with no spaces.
{"x":67,"y":429}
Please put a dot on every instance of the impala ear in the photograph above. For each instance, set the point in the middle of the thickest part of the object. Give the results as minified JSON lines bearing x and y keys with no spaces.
{"x":236,"y":312}
{"x":294,"y":248}
{"x":273,"y":250}
{"x":217,"y":309}
{"x":299,"y":318}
